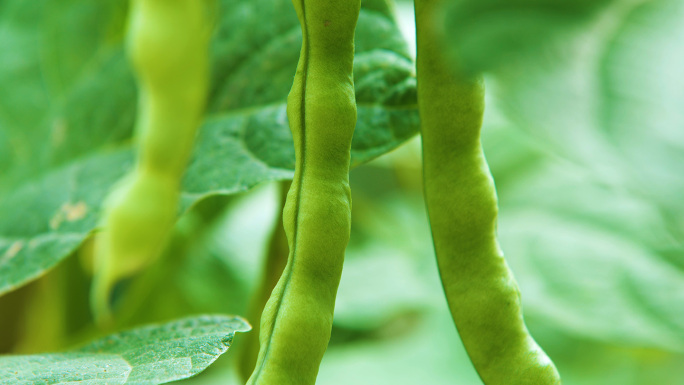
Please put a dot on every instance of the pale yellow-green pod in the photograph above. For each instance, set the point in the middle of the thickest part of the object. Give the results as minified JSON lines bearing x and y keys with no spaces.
{"x":482,"y":293}
{"x":167,"y":43}
{"x":297,"y":320}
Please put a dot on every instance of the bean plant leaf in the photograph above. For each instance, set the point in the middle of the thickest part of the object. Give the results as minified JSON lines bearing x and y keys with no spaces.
{"x":69,"y":101}
{"x":618,"y":113}
{"x":484,"y":35}
{"x":581,"y":271}
{"x":591,"y":222}
{"x":640,"y":102}
{"x":594,"y":229}
{"x":153,"y":354}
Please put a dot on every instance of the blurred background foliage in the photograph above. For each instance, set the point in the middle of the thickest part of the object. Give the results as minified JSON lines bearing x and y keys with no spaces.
{"x":584,"y":135}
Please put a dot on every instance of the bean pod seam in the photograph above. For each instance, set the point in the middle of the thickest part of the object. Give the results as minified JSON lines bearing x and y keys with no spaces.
{"x":321,"y":108}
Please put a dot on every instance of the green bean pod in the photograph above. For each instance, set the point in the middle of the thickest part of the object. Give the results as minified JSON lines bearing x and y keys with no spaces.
{"x":167,"y":43}
{"x":274,"y":264}
{"x":483,"y":296}
{"x":321,"y":108}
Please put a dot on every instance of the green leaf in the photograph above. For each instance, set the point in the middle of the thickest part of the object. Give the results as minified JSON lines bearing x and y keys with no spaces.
{"x":66,"y":129}
{"x":614,"y":106}
{"x":582,"y":278}
{"x":586,"y":252}
{"x":613,"y":103}
{"x":641,"y":98}
{"x":153,"y":354}
{"x":485,"y":35}
{"x":593,"y":227}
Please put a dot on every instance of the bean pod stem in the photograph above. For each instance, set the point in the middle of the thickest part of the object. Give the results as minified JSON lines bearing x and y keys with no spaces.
{"x":167,"y":43}
{"x":483,"y":296}
{"x":321,"y":108}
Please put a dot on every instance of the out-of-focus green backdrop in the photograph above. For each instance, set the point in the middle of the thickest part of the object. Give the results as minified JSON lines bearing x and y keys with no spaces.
{"x":584,"y":133}
{"x":588,"y":158}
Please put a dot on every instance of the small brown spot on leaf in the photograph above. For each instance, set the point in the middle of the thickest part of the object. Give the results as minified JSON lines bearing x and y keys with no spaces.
{"x":69,"y":212}
{"x":326,"y":23}
{"x":76,"y":211}
{"x":13,"y":250}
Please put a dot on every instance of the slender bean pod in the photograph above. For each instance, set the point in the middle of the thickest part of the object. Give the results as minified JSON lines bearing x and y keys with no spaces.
{"x":461,"y":199}
{"x":270,"y":275}
{"x":321,"y":108}
{"x":168,"y":46}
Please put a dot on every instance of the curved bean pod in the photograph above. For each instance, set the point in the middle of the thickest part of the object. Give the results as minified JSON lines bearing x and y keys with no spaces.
{"x":461,"y":199}
{"x":168,"y":46}
{"x":321,"y":108}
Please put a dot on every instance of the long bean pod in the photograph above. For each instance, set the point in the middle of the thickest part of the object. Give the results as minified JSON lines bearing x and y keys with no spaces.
{"x":482,"y":293}
{"x":167,"y":43}
{"x":274,"y":264}
{"x":321,"y":108}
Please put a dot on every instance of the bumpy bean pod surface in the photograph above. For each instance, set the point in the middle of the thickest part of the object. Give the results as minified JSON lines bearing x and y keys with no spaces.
{"x":168,"y":46}
{"x":461,"y":198}
{"x":321,"y":108}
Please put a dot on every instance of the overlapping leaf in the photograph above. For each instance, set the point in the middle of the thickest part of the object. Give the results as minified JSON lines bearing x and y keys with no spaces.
{"x":68,"y":107}
{"x":484,"y":35}
{"x":593,"y":228}
{"x":148,"y":355}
